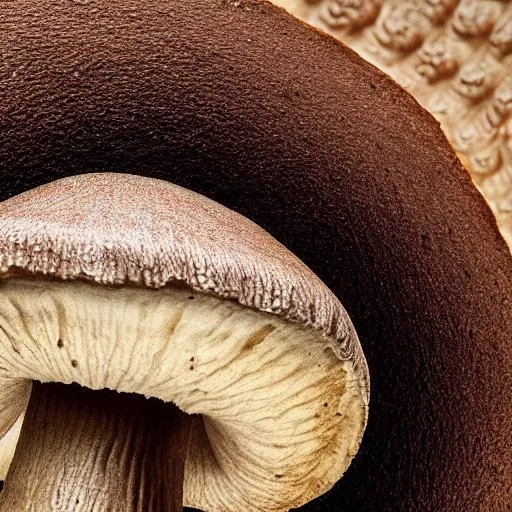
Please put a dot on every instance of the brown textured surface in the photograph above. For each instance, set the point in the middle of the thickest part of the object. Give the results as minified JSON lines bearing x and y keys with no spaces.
{"x":455,"y":57}
{"x":242,"y":103}
{"x":84,"y":443}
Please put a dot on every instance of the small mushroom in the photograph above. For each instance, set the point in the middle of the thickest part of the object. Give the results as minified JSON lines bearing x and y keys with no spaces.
{"x":174,"y":348}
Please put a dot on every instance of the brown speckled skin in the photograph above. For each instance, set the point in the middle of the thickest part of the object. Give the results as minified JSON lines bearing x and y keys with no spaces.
{"x":242,"y":103}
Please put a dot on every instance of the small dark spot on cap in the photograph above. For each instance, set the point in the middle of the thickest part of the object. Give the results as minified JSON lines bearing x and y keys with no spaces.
{"x":279,"y":476}
{"x":191,"y":366}
{"x":60,"y":343}
{"x":192,"y":359}
{"x":338,"y":414}
{"x":74,"y":363}
{"x":326,"y":404}
{"x":191,"y":297}
{"x":317,"y":415}
{"x":471,"y":333}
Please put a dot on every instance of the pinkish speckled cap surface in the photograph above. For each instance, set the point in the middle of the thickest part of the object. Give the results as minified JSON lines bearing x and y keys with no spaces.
{"x":121,"y":228}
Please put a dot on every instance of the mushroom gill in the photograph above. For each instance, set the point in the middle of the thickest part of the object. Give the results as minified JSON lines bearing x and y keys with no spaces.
{"x":455,"y":58}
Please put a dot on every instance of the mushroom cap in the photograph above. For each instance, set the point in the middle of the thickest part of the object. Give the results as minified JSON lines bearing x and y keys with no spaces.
{"x":120,"y":229}
{"x":247,"y":105}
{"x":455,"y":58}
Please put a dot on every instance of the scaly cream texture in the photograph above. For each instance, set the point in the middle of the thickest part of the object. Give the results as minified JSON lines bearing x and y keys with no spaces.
{"x":282,"y":415}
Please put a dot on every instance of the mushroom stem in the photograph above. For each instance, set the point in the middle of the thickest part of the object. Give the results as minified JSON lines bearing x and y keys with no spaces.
{"x":98,"y":450}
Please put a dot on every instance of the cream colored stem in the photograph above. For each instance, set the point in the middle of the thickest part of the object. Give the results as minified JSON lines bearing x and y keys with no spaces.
{"x":92,"y":451}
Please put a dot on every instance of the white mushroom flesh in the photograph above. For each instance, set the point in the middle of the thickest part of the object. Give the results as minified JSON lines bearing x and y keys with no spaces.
{"x":8,"y":445}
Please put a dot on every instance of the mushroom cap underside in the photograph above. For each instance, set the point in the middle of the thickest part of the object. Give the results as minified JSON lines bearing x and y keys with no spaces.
{"x":284,"y":397}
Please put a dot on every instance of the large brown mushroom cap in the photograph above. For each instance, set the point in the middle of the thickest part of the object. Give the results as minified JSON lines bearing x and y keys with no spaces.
{"x":455,"y":58}
{"x":284,"y":394}
{"x":241,"y":102}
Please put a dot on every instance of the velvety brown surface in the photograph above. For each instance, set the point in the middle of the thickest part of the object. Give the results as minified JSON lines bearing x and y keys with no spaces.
{"x":240,"y":102}
{"x":455,"y":58}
